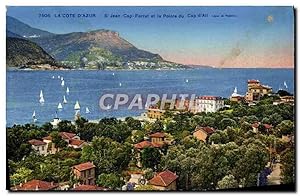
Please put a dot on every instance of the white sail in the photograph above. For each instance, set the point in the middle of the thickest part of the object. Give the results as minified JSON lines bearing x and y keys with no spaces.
{"x":77,"y":106}
{"x":113,"y":74}
{"x":65,"y":100}
{"x":41,"y":94}
{"x":120,"y":84}
{"x":33,"y":115}
{"x":87,"y":110}
{"x":186,"y":80}
{"x":61,"y":78}
{"x":58,"y":76}
{"x":42,"y":100}
{"x":284,"y":83}
{"x":68,"y":90}
{"x":108,"y":107}
{"x":62,"y":83}
{"x":59,"y":106}
{"x":52,"y":77}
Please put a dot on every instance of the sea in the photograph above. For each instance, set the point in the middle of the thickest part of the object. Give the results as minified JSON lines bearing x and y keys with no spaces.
{"x":23,"y":89}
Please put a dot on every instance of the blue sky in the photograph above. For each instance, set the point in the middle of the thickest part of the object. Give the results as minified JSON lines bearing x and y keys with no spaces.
{"x":263,"y":36}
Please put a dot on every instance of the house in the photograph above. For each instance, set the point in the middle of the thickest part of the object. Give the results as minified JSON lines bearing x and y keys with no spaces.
{"x":255,"y":127}
{"x":285,"y":100}
{"x":268,"y":127}
{"x":165,"y":180}
{"x":202,"y":133}
{"x":72,"y":140}
{"x":36,"y":185}
{"x":158,"y":137}
{"x":85,"y":172}
{"x":88,"y":188}
{"x":235,"y":97}
{"x":256,"y":90}
{"x":137,"y":177}
{"x":155,"y":113}
{"x":208,"y":104}
{"x":39,"y":146}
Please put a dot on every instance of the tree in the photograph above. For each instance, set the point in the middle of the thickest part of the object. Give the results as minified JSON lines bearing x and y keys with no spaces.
{"x":57,"y":140}
{"x":133,"y":124}
{"x":111,"y":180}
{"x":286,"y":127}
{"x":275,"y":119}
{"x":20,"y":176}
{"x":215,"y":138}
{"x":150,"y":158}
{"x":108,"y":155}
{"x":288,"y":166}
{"x":65,"y":125}
{"x":228,"y":182}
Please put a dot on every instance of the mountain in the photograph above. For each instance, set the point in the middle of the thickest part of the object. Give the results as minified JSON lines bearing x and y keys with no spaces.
{"x":15,"y":26}
{"x":22,"y":53}
{"x":11,"y":34}
{"x":61,"y":46}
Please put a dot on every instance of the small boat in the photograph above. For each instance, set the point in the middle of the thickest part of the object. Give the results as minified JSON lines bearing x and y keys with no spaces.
{"x":77,"y":106}
{"x":42,"y":100}
{"x":58,"y":77}
{"x":59,"y":106}
{"x":120,"y":84}
{"x":284,"y":83}
{"x":68,"y":90}
{"x":186,"y":80}
{"x":61,"y":78}
{"x":108,"y":107}
{"x":52,"y":77}
{"x":87,"y":111}
{"x":113,"y":74}
{"x":65,"y":100}
{"x":33,"y":117}
{"x":62,"y":83}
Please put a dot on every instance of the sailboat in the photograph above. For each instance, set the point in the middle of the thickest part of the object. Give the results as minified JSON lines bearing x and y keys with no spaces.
{"x":42,"y":100}
{"x":113,"y":74}
{"x":61,"y":78}
{"x":62,"y":83}
{"x":77,"y":106}
{"x":52,"y":77}
{"x":87,"y":110}
{"x":33,"y":117}
{"x":186,"y":80}
{"x":108,"y":107}
{"x":68,"y":90}
{"x":65,"y":100}
{"x":120,"y":84}
{"x":284,"y":83}
{"x":59,"y":106}
{"x":58,"y":77}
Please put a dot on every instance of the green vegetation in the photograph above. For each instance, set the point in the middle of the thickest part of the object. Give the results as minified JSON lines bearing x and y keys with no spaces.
{"x":231,"y":157}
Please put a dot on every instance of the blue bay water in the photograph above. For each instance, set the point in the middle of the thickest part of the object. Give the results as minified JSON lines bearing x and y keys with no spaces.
{"x":23,"y":89}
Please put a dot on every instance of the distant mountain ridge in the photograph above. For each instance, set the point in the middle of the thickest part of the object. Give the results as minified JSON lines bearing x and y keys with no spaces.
{"x":23,"y":53}
{"x":17,"y":27}
{"x":98,"y":49}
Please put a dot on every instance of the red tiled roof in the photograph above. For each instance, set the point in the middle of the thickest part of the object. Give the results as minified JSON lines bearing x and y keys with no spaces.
{"x":210,"y":97}
{"x":64,"y":135}
{"x":164,"y":178}
{"x":67,"y":135}
{"x":76,"y":142}
{"x":208,"y":130}
{"x":253,"y":81}
{"x":37,"y":142}
{"x":36,"y":185}
{"x":158,"y":134}
{"x":145,"y":144}
{"x":267,"y":126}
{"x":47,"y":138}
{"x":89,"y":188}
{"x":84,"y":166}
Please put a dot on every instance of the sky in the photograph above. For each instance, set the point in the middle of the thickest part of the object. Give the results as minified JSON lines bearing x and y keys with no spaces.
{"x":222,"y":37}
